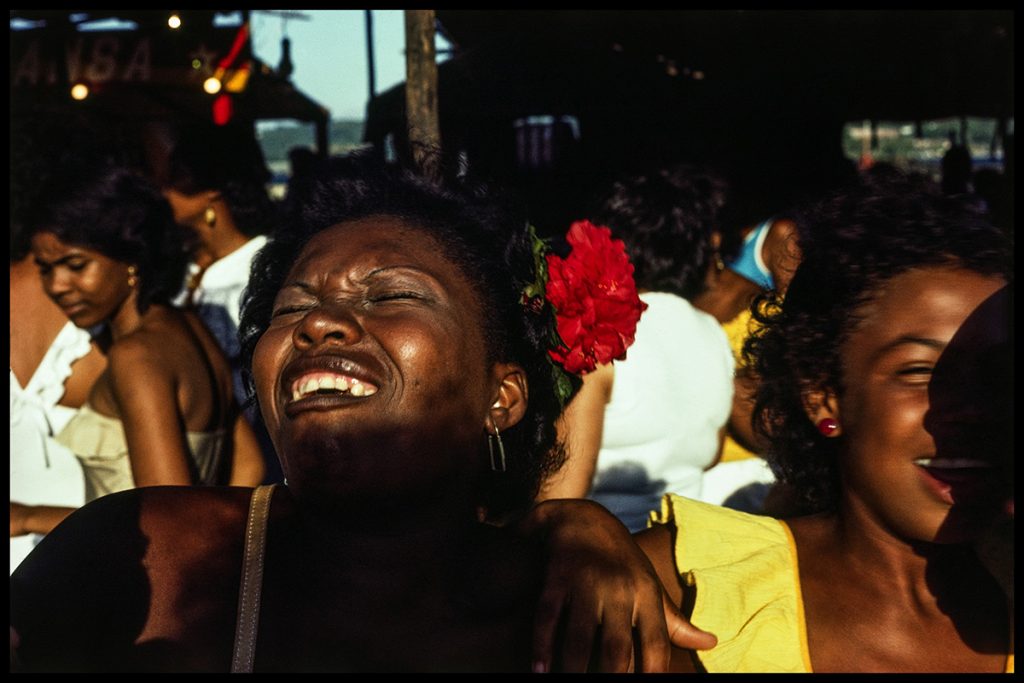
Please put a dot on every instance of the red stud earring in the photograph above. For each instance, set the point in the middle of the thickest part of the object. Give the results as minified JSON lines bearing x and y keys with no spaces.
{"x":827,"y":426}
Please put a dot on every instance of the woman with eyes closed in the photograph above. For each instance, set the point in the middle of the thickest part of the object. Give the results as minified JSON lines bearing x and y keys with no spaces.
{"x":163,"y":412}
{"x":411,"y":401}
{"x":881,"y":573}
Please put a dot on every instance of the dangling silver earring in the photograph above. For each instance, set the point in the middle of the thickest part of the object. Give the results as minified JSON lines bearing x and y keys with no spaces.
{"x":496,"y":466}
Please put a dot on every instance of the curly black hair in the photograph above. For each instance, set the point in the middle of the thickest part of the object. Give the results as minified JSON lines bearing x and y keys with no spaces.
{"x":487,"y":237}
{"x":666,"y":219}
{"x":855,"y":242}
{"x":121,"y":214}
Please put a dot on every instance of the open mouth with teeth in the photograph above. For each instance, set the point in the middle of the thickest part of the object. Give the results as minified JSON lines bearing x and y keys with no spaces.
{"x":328,"y":383}
{"x":957,"y":479}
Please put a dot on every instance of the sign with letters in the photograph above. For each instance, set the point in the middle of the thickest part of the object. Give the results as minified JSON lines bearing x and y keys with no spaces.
{"x":42,"y":58}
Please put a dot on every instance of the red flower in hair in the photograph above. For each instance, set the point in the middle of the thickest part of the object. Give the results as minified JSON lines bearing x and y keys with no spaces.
{"x":595,"y":299}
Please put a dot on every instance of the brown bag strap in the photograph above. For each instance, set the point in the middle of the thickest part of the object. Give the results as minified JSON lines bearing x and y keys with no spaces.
{"x":252,"y":580}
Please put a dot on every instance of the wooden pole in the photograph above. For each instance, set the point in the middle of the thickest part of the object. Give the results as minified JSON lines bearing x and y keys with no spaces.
{"x":421,"y":92}
{"x":369,"y":53}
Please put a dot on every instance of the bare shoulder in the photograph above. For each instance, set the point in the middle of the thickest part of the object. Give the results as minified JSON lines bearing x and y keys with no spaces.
{"x":166,"y":347}
{"x":164,"y":331}
{"x":108,"y":577}
{"x":127,"y":527}
{"x":142,"y":353}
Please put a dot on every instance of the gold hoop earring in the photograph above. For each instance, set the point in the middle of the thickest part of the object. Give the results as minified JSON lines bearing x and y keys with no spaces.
{"x":210,"y":216}
{"x":132,"y":278}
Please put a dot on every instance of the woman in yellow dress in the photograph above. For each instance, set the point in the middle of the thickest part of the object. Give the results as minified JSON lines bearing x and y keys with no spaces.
{"x":901,"y":487}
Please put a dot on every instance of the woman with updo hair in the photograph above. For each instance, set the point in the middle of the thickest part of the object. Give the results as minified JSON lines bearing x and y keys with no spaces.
{"x":163,"y":412}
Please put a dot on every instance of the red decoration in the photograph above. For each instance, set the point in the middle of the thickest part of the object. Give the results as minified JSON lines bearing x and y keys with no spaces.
{"x":222,"y":109}
{"x":595,"y":299}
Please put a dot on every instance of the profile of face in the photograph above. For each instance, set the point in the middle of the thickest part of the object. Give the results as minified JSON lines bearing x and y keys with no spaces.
{"x":889,"y":460}
{"x":375,"y":351}
{"x":188,"y":209}
{"x":970,"y":412}
{"x":88,"y":286}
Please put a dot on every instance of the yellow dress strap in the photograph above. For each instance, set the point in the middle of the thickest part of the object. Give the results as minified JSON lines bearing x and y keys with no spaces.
{"x":743,"y":571}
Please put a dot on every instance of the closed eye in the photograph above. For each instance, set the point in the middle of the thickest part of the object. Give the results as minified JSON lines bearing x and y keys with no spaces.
{"x":395,"y":296}
{"x":285,"y":310}
{"x":918,"y":374}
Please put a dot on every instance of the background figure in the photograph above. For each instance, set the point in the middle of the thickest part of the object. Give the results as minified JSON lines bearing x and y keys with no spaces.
{"x":303,"y":163}
{"x":53,"y":363}
{"x":215,"y":184}
{"x":654,"y":421}
{"x":163,"y":411}
{"x":762,"y":259}
{"x":956,"y":167}
{"x":53,"y":366}
{"x":878,"y":571}
{"x":995,"y":190}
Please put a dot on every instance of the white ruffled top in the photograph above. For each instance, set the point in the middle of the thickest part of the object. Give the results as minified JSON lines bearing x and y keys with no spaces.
{"x":43,"y":472}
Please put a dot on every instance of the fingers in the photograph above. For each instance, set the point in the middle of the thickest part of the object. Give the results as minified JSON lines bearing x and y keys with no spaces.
{"x":652,"y":640}
{"x":616,"y":654}
{"x":682,"y":633}
{"x":581,"y":627}
{"x":545,"y":628}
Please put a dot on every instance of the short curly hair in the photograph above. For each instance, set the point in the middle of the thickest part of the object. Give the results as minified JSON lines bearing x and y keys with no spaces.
{"x":487,"y":237}
{"x":856,"y":241}
{"x":121,"y":214}
{"x":666,"y":219}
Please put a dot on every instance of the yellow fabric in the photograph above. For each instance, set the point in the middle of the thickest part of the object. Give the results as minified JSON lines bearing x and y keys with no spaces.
{"x":747,"y":586}
{"x":736,"y":330}
{"x":99,"y":443}
{"x":746,"y":579}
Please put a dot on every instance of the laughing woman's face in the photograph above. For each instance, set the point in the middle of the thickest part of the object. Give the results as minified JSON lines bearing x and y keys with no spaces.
{"x":890,"y":469}
{"x":372,"y":375}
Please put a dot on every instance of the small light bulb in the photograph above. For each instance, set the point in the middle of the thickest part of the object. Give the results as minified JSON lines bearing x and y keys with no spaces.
{"x":174,"y":21}
{"x":79,"y":91}
{"x":212,"y":85}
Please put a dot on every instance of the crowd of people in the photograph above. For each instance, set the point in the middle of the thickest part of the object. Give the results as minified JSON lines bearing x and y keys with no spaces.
{"x":384,"y":426}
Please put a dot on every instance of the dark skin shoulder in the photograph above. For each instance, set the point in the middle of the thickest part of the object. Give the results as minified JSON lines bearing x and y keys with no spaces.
{"x":128,"y":583}
{"x":658,"y":543}
{"x":860,"y":610}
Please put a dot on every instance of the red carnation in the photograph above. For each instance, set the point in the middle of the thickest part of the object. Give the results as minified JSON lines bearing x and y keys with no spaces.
{"x":594,"y":297}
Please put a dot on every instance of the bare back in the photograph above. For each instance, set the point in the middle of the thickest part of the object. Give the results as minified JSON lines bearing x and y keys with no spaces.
{"x":176,"y":346}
